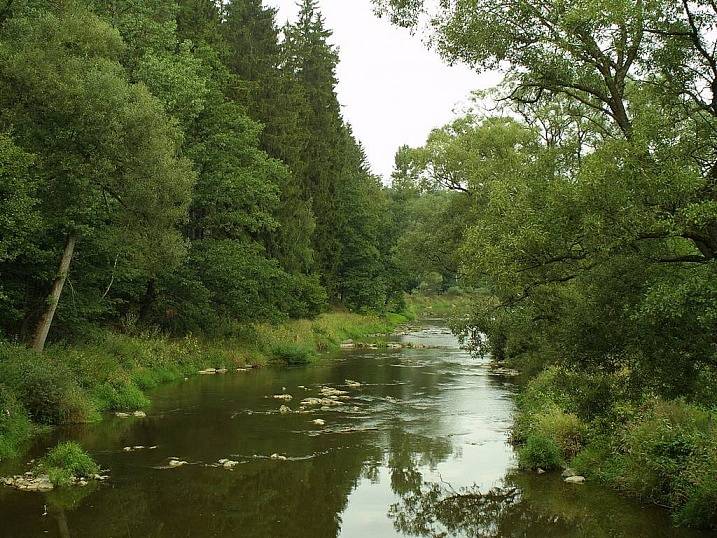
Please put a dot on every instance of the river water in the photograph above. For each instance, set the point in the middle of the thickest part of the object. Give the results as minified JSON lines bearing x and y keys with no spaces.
{"x":419,"y":449}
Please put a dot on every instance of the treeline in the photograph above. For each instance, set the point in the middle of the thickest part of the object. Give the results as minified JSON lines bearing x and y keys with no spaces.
{"x":583,"y":208}
{"x":178,"y":164}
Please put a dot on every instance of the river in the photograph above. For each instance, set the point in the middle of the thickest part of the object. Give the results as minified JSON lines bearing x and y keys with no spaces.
{"x":419,"y":449}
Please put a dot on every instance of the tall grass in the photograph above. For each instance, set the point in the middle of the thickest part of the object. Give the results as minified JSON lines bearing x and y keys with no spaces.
{"x":112,"y":371}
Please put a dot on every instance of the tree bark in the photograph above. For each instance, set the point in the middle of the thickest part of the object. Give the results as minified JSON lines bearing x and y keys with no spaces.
{"x":43,"y":326}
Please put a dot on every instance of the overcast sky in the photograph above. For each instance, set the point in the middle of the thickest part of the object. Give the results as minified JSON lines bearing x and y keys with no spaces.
{"x":392,"y":88}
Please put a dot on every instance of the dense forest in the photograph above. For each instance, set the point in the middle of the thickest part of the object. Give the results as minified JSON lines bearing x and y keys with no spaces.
{"x":178,"y":164}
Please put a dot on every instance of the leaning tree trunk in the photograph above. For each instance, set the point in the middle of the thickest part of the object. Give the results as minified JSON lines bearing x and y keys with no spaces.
{"x":43,"y":326}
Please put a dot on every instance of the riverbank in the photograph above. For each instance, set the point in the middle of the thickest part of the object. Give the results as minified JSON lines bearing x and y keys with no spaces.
{"x":111,"y":372}
{"x":659,"y":451}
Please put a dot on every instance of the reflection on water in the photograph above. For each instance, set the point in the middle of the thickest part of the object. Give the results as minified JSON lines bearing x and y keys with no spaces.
{"x":418,"y":449}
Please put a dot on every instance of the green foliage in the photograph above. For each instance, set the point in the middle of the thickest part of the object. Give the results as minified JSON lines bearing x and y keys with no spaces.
{"x":15,"y":425}
{"x":65,"y":461}
{"x":564,"y":429}
{"x":539,"y":452}
{"x":123,"y":396}
{"x":46,"y":389}
{"x":657,"y":450}
{"x":292,"y":354}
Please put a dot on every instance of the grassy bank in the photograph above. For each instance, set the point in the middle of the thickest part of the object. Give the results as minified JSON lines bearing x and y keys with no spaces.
{"x":659,"y":451}
{"x":113,"y":372}
{"x":439,"y":305}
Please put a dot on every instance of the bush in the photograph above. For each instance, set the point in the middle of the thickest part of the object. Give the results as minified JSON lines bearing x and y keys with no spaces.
{"x":539,"y":452}
{"x":591,"y":460}
{"x":45,"y":387}
{"x":565,"y":429}
{"x":120,"y":397}
{"x":15,"y":426}
{"x":65,"y":461}
{"x":293,"y":354}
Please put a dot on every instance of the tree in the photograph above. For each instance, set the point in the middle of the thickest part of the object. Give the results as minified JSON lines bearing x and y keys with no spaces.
{"x":106,"y":153}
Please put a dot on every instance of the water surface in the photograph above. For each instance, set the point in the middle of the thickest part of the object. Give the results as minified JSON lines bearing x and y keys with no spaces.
{"x":419,"y":449}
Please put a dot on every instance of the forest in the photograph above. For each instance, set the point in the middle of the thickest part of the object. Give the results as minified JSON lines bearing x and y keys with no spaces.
{"x":178,"y":173}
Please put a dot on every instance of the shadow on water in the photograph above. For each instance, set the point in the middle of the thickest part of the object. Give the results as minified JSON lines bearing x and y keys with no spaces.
{"x":418,"y":449}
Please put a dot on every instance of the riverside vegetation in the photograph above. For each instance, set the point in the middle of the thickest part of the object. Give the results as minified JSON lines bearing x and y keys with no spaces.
{"x":580,"y":196}
{"x":112,"y":371}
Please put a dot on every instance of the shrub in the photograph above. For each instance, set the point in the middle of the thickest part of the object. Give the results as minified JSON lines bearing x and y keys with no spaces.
{"x":565,"y":429}
{"x":539,"y":452}
{"x":65,"y":461}
{"x":124,"y":396}
{"x":15,"y":426}
{"x":293,"y":354}
{"x":45,"y":388}
{"x":591,"y":460}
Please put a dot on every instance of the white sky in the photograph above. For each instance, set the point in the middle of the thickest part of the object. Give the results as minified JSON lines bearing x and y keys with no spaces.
{"x":392,"y":88}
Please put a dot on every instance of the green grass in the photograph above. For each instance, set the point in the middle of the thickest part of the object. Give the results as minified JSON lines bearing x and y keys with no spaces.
{"x":65,"y":461}
{"x":446,"y":305}
{"x":112,"y":371}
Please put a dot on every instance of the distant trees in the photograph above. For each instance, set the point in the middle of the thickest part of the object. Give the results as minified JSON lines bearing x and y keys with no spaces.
{"x":589,"y":206}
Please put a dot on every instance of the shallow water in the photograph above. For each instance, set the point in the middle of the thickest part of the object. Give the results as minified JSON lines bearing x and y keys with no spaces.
{"x":420,"y":449}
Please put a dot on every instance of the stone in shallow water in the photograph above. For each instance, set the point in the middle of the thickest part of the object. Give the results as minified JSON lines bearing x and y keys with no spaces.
{"x":326,"y":402}
{"x":140,"y":414}
{"x":278,"y":457}
{"x":575,"y":480}
{"x":175,"y":462}
{"x":568,"y":473}
{"x":284,"y":410}
{"x":39,"y":483}
{"x":285,"y":397}
{"x":319,"y":422}
{"x":330,"y":392}
{"x":121,"y":415}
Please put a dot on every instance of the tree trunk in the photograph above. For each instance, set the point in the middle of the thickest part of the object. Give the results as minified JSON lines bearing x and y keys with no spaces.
{"x":43,"y":326}
{"x":150,"y":295}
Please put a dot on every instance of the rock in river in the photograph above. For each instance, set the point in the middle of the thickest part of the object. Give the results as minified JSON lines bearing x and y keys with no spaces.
{"x":319,"y":422}
{"x":29,"y":483}
{"x":575,"y":480}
